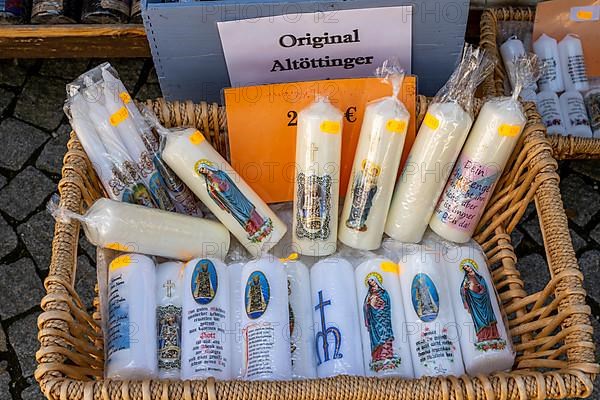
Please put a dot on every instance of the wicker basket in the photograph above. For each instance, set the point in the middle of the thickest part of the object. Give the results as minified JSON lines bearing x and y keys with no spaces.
{"x":551,"y":329}
{"x":565,"y":147}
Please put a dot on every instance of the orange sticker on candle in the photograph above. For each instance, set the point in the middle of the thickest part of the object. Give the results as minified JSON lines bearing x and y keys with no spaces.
{"x":291,"y":257}
{"x":125,"y":97}
{"x":509,"y":130}
{"x":117,"y":246}
{"x":197,"y":137}
{"x":396,"y":125}
{"x":332,"y":127}
{"x":585,"y":15}
{"x":119,"y":116}
{"x":120,"y":262}
{"x":431,"y":121}
{"x":389,"y":266}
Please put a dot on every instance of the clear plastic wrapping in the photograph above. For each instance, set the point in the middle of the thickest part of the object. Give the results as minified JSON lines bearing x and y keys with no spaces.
{"x":512,"y":50}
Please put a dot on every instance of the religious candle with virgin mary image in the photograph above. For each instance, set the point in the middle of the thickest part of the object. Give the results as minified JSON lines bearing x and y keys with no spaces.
{"x":223,"y":191}
{"x":169,"y":280}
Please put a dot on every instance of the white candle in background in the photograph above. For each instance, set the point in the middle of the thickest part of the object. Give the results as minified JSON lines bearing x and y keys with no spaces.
{"x":575,"y":114}
{"x":549,"y":107}
{"x":317,"y":179}
{"x":206,"y":349}
{"x":131,"y":324}
{"x":572,"y":63}
{"x":511,"y":50}
{"x":479,"y":166}
{"x":337,"y":330}
{"x":301,"y":320}
{"x":235,"y":321}
{"x":592,"y":104}
{"x":382,"y":321}
{"x":432,"y":330}
{"x":265,"y":322}
{"x":546,"y":48}
{"x":484,"y":340}
{"x":223,"y":191}
{"x":436,"y":147}
{"x":374,"y":172}
{"x":169,"y":280}
{"x":127,"y":227}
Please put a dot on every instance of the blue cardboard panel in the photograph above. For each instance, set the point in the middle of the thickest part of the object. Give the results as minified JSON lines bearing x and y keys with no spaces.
{"x":189,"y":60}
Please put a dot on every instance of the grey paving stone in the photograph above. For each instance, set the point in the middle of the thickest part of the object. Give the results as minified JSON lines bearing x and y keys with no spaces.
{"x":4,"y":382}
{"x":532,"y":227}
{"x":32,"y":392}
{"x":149,"y":91}
{"x":19,"y":140}
{"x":68,"y":69}
{"x":6,"y":97}
{"x":20,"y":288}
{"x":534,"y":272}
{"x":87,"y":247}
{"x":37,"y":235}
{"x":589,"y":262}
{"x":595,"y":233}
{"x":129,"y":71}
{"x":516,"y":237}
{"x":589,"y":168}
{"x":51,"y":157}
{"x":85,"y":281}
{"x":2,"y":340}
{"x":580,"y":199}
{"x":41,"y":102}
{"x":11,"y":73}
{"x":2,"y":181}
{"x":22,"y":335}
{"x":25,"y":192}
{"x":152,"y":76}
{"x":9,"y":238}
{"x":578,"y":242}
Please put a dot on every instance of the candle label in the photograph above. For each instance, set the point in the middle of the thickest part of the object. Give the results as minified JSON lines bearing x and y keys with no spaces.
{"x":364,"y":189}
{"x":292,"y":321}
{"x":328,"y":340}
{"x":197,"y":137}
{"x":332,"y":127}
{"x":181,"y":195}
{"x":431,"y":121}
{"x":377,"y":309}
{"x":225,"y":193}
{"x":477,"y":302}
{"x":425,"y":298}
{"x":509,"y":130}
{"x":138,"y":194}
{"x":125,"y":97}
{"x":157,"y":188}
{"x":205,"y":282}
{"x":257,"y":295}
{"x":466,"y":193}
{"x":592,"y":103}
{"x":259,"y":341}
{"x":550,"y":111}
{"x":313,"y":215}
{"x":121,"y":115}
{"x":169,"y":337}
{"x":576,"y":68}
{"x":118,"y":312}
{"x":576,"y":111}
{"x":396,"y":125}
{"x":549,"y":71}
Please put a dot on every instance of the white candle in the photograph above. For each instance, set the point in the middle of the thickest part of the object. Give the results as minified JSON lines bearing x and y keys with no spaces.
{"x":511,"y":50}
{"x":382,"y":321}
{"x":479,"y":166}
{"x":572,"y":63}
{"x":131,"y":324}
{"x":575,"y":114}
{"x":317,"y":179}
{"x":546,"y":49}
{"x":337,"y":331}
{"x":484,"y":340}
{"x":169,"y":280}
{"x":432,"y":330}
{"x":549,"y":107}
{"x":436,"y":147}
{"x":374,"y":172}
{"x":235,"y":321}
{"x":301,"y":320}
{"x":206,"y":350}
{"x":265,"y":322}
{"x":592,"y":103}
{"x":223,"y":191}
{"x":128,"y":227}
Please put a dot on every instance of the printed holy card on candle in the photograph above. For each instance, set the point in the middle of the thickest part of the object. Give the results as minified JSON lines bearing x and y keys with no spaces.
{"x":262,"y":121}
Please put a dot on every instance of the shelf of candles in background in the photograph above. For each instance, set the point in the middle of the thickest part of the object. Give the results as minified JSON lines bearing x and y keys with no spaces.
{"x":575,"y":114}
{"x":551,"y":74}
{"x":136,"y":12}
{"x":55,"y":11}
{"x":573,"y":63}
{"x":549,"y":107}
{"x":511,"y":50}
{"x":105,"y":11}
{"x":13,"y":12}
{"x":441,"y":136}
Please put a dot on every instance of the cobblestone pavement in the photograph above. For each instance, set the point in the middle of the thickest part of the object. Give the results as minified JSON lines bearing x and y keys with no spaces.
{"x":33,"y":136}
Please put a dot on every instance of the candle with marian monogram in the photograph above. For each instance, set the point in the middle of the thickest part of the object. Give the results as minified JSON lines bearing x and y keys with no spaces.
{"x":223,"y":191}
{"x":169,"y":279}
{"x":317,"y":179}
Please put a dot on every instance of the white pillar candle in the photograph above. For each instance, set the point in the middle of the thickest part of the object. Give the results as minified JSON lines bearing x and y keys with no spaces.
{"x":223,"y":191}
{"x":432,"y":330}
{"x":485,"y":344}
{"x":374,"y":172}
{"x":436,"y":147}
{"x":479,"y":166}
{"x":235,"y":320}
{"x":131,"y":324}
{"x":169,"y":289}
{"x":337,"y":330}
{"x":265,"y":322}
{"x":592,"y":104}
{"x":575,"y":114}
{"x":546,"y":48}
{"x":301,"y":320}
{"x":572,"y":63}
{"x":549,"y":107}
{"x":317,"y":179}
{"x":511,"y":50}
{"x":382,"y":321}
{"x":128,"y":227}
{"x":206,"y":350}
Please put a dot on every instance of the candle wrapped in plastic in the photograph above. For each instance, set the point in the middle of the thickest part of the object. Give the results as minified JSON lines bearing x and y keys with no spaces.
{"x":511,"y":50}
{"x":436,"y":148}
{"x":127,"y":227}
{"x":375,"y":166}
